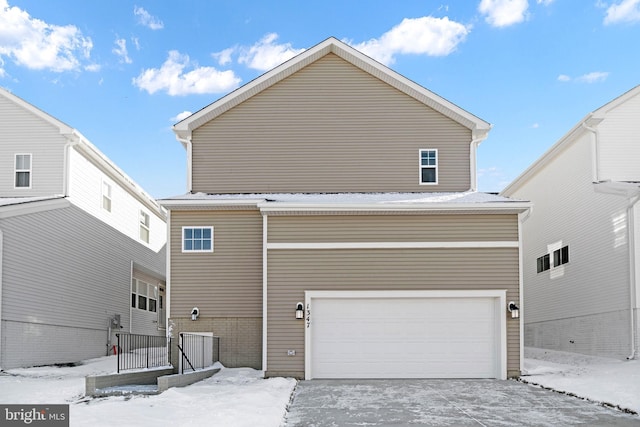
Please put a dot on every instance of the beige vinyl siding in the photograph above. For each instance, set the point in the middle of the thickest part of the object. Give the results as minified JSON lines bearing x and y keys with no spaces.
{"x":330,"y":127}
{"x":392,"y":228}
{"x":226,"y":282}
{"x":291,"y":272}
{"x":25,"y":133}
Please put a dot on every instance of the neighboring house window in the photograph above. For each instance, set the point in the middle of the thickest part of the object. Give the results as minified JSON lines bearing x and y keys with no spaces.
{"x":543,"y":263}
{"x":106,"y":196}
{"x":561,"y":256}
{"x":144,"y":226}
{"x":23,"y":170}
{"x":428,"y":166}
{"x":197,"y":239}
{"x":144,"y":296}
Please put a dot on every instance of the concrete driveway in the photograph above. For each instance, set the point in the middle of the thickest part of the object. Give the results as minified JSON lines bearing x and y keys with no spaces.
{"x":442,"y":403}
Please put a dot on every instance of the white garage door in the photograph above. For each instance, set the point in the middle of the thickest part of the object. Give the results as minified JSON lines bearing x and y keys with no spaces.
{"x":404,"y":337}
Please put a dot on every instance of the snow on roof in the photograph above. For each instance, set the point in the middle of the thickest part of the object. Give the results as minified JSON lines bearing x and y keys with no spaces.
{"x":348,"y":198}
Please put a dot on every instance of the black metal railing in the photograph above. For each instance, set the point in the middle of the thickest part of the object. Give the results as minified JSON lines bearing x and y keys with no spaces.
{"x":142,"y":351}
{"x":198,"y":351}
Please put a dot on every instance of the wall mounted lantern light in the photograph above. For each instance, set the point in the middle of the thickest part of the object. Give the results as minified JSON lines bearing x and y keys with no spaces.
{"x":195,"y":312}
{"x":514,"y":309}
{"x":299,"y":311}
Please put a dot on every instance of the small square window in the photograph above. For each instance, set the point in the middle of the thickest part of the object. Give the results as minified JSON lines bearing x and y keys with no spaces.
{"x":543,"y":263}
{"x":197,"y":239}
{"x":561,"y":256}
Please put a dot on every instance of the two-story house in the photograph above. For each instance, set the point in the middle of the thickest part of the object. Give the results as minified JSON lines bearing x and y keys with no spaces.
{"x":82,"y":246}
{"x":332,"y":229}
{"x":581,"y":263}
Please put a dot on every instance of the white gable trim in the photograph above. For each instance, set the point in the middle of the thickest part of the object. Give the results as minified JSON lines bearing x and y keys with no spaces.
{"x":184,"y":128}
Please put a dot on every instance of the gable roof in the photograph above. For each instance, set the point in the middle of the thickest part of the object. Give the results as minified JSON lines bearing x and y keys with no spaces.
{"x":184,"y":128}
{"x":585,"y":125}
{"x":90,"y":151}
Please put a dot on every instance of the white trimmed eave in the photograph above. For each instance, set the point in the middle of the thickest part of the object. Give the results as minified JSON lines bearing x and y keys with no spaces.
{"x":31,"y":207}
{"x":509,"y":207}
{"x":184,"y":204}
{"x":184,"y":128}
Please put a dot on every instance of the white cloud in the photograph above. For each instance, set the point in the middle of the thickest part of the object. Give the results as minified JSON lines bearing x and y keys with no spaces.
{"x":172,"y":78}
{"x":181,"y":116}
{"x":593,"y":77}
{"x":545,"y":2}
{"x":223,"y":57}
{"x":624,"y":11}
{"x":503,"y":13}
{"x":145,"y":18}
{"x":535,"y":126}
{"x":422,"y":36}
{"x":121,"y":51}
{"x":266,"y":54}
{"x":34,"y":44}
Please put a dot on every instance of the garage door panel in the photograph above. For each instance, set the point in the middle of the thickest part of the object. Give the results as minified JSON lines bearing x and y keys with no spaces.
{"x":404,"y":338}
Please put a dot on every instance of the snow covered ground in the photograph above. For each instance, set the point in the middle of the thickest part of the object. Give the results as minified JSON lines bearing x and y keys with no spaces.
{"x":609,"y":381}
{"x":241,"y":397}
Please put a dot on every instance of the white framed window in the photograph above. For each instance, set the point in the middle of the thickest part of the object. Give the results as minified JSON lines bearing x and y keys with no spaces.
{"x":144,"y":226}
{"x":561,"y":256}
{"x":106,"y":196}
{"x":543,"y":263}
{"x":197,"y":239}
{"x":144,"y":296}
{"x":23,"y":171}
{"x":428,"y":166}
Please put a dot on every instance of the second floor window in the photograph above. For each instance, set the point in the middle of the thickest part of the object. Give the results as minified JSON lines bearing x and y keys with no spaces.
{"x":106,"y":196}
{"x":23,"y":170}
{"x":429,"y":166}
{"x":144,"y":226}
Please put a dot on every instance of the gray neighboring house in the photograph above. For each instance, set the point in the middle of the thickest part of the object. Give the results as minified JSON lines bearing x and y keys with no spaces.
{"x":332,"y":229}
{"x":581,"y":242}
{"x":82,"y":247}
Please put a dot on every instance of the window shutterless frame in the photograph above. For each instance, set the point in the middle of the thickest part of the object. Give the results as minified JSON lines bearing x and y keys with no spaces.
{"x":428,"y":166}
{"x":23,"y":166}
{"x":197,"y":239}
{"x":144,"y":226}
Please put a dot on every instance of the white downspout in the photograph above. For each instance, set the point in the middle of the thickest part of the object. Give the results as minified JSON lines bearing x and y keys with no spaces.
{"x":632,"y":272}
{"x":476,"y":138}
{"x":189,"y":146}
{"x":595,"y":172}
{"x":522,"y":217}
{"x":1,"y":245}
{"x":66,"y":175}
{"x":265,"y":226}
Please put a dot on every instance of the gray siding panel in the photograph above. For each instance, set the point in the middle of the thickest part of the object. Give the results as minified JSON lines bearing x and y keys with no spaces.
{"x":23,"y":132}
{"x":330,"y":127}
{"x":64,"y":270}
{"x":291,"y":272}
{"x":226,"y":282}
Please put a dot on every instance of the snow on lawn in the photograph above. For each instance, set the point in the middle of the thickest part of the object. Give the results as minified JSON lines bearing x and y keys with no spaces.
{"x":233,"y":397}
{"x":610,"y":381}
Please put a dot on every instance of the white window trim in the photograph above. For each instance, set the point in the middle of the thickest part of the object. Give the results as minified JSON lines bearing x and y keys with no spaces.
{"x":192,"y":251}
{"x":420,"y":166}
{"x":16,"y":170}
{"x":152,"y":293}
{"x":144,"y":224}
{"x":109,"y":196}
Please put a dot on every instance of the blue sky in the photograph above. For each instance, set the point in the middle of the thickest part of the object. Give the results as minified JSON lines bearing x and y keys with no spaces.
{"x":123,"y":72}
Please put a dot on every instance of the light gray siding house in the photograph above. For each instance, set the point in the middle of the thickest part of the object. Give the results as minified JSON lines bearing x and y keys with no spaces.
{"x":332,"y":228}
{"x":82,"y":247}
{"x":581,"y":262}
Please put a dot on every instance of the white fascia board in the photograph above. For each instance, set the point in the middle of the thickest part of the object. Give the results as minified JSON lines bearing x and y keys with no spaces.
{"x":185,"y":203}
{"x":516,"y":207}
{"x":33,"y":207}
